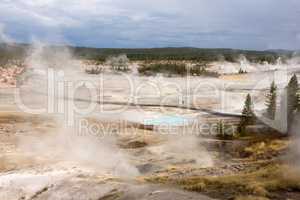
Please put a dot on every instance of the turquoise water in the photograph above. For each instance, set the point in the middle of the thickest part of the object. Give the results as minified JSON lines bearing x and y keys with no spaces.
{"x":167,"y":120}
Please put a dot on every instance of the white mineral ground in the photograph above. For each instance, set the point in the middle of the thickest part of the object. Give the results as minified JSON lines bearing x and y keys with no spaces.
{"x":41,"y":158}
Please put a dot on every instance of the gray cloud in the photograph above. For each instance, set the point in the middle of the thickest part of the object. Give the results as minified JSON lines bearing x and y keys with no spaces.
{"x":251,"y":24}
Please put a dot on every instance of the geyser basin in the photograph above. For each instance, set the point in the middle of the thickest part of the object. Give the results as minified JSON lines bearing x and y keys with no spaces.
{"x":167,"y":121}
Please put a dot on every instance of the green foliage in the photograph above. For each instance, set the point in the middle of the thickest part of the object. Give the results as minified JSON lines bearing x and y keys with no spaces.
{"x":11,"y":52}
{"x":118,"y":63}
{"x":292,"y":99}
{"x":173,"y":68}
{"x":242,"y":71}
{"x":247,"y":116}
{"x":165,"y":68}
{"x":223,"y":131}
{"x":94,"y":70}
{"x":185,"y":53}
{"x":271,"y":101}
{"x":199,"y":70}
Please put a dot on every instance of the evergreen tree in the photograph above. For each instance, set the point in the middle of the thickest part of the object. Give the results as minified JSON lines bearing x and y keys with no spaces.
{"x":271,"y":101}
{"x":224,"y":131}
{"x":220,"y":128}
{"x":298,"y":103}
{"x":241,"y":71}
{"x":247,"y":115}
{"x":292,"y":99}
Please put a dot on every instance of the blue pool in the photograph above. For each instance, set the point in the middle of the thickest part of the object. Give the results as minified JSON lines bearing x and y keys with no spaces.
{"x":167,"y":121}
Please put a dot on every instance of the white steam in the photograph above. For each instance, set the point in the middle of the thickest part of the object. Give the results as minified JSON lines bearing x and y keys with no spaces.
{"x":4,"y":38}
{"x":66,"y":145}
{"x":185,"y":148}
{"x":242,"y":63}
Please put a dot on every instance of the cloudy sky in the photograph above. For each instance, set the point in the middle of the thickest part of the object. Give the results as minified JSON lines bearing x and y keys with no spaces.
{"x":247,"y":24}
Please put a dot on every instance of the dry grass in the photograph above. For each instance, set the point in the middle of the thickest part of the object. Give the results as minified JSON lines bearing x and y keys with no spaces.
{"x":261,"y":184}
{"x":235,"y":77}
{"x":250,"y":197}
{"x":20,"y":117}
{"x":266,"y":149}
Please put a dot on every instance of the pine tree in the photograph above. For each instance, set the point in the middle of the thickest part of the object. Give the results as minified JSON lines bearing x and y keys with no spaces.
{"x":220,"y":128}
{"x":271,"y":101}
{"x":298,"y":103}
{"x":241,"y":71}
{"x":292,"y":99}
{"x":292,"y":96}
{"x":247,"y":115}
{"x":224,"y":131}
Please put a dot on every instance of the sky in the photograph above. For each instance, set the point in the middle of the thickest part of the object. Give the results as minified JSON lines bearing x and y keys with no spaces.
{"x":240,"y":24}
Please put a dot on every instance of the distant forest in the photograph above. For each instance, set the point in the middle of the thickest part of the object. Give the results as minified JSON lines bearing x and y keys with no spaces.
{"x":184,"y":53}
{"x":19,"y":51}
{"x":12,"y":52}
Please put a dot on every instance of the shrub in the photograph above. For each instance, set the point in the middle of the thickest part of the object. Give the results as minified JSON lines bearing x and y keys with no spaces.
{"x":175,"y":69}
{"x":199,"y":70}
{"x":224,"y":131}
{"x":94,"y":70}
{"x":118,"y":63}
{"x":242,"y":71}
{"x":164,"y":68}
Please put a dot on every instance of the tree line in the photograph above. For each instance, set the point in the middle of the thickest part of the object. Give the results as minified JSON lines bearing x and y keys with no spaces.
{"x":13,"y":51}
{"x":290,"y":102}
{"x":184,"y":53}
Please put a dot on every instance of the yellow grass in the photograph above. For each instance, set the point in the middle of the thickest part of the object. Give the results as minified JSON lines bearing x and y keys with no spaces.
{"x":256,"y":185}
